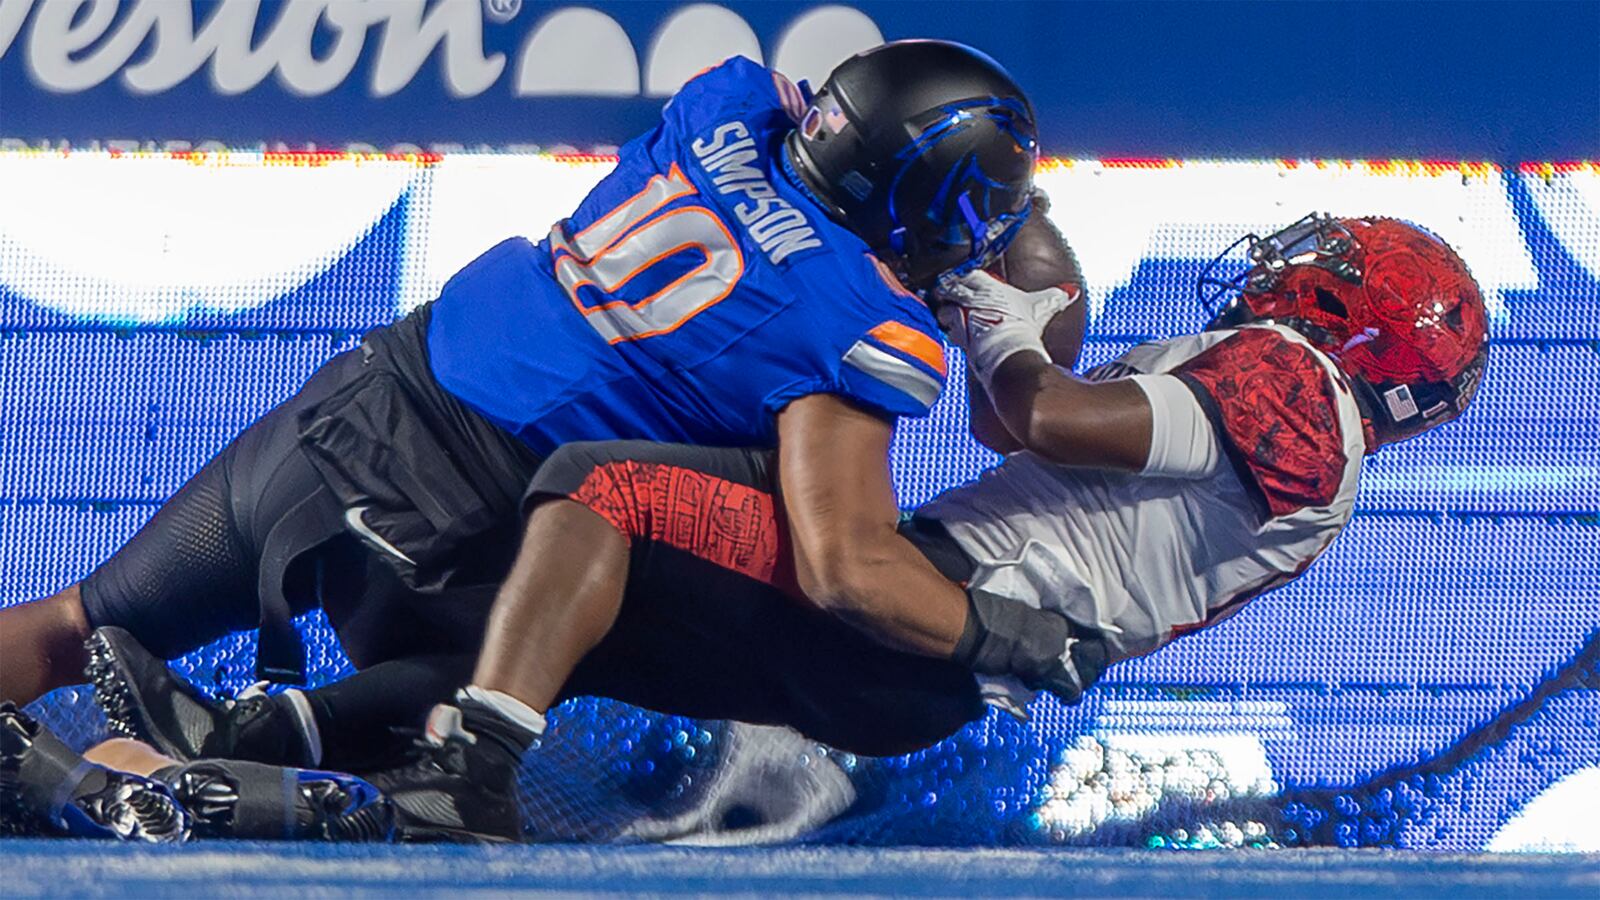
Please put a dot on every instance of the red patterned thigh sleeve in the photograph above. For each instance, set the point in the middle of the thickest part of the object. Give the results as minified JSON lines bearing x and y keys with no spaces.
{"x":1274,"y":408}
{"x":732,"y":525}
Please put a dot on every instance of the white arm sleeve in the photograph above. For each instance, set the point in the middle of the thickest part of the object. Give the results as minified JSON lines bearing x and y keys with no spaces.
{"x":1182,"y":442}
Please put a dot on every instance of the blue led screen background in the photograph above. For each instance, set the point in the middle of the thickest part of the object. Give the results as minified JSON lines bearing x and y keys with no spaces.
{"x":1429,"y":683}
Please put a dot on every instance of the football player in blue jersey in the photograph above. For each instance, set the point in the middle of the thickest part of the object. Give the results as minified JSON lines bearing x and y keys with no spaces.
{"x":751,"y":273}
{"x":707,"y":621}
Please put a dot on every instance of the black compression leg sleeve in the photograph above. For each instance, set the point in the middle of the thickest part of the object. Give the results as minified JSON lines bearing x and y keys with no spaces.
{"x":358,"y":716}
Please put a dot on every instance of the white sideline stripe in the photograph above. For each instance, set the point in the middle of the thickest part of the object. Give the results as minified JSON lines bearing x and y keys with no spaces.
{"x":895,"y":372}
{"x":352,"y":519}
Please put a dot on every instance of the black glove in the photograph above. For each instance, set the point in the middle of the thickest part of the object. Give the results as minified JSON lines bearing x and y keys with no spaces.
{"x":1044,"y":650}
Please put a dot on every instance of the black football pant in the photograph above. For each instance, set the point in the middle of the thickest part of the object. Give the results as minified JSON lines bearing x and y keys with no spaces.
{"x":712,"y":624}
{"x":263,"y":525}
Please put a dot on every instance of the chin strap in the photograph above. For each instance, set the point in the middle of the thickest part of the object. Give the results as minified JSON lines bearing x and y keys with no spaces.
{"x":1371,"y":410}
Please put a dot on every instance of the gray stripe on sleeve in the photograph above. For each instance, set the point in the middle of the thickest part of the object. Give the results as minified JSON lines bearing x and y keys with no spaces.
{"x":895,"y":372}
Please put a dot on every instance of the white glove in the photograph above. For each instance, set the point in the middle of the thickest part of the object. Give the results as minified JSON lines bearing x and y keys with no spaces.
{"x":993,"y":321}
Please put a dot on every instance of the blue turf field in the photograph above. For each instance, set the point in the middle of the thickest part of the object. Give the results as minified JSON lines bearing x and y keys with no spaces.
{"x":45,"y":868}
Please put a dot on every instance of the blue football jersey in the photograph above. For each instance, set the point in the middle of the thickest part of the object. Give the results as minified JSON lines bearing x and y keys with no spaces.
{"x":695,"y":291}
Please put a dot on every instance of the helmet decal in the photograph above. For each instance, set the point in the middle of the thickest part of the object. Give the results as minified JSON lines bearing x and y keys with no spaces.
{"x":984,"y":231}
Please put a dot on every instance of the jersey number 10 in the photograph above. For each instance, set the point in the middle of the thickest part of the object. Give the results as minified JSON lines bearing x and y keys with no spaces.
{"x":631,"y":238}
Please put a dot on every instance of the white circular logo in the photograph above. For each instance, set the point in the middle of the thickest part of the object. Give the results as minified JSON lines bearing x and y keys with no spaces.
{"x":501,"y":11}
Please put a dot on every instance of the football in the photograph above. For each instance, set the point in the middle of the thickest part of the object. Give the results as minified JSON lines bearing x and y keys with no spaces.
{"x":1039,"y":258}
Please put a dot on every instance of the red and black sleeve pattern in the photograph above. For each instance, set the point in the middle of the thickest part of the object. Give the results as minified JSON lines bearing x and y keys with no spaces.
{"x":1273,"y":405}
{"x":716,"y":503}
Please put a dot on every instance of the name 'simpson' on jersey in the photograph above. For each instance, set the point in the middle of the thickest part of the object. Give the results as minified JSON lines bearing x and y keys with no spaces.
{"x":773,"y":223}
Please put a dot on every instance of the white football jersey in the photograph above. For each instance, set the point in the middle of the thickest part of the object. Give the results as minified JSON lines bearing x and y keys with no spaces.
{"x":1148,"y":557}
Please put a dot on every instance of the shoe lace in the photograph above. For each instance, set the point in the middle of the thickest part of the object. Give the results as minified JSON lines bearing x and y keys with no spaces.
{"x":426,"y":757}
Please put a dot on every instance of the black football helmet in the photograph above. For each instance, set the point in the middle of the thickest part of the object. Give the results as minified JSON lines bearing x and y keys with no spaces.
{"x":926,"y":150}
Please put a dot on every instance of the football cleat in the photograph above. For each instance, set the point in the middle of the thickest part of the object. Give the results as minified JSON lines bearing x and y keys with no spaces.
{"x":48,"y":788}
{"x":459,"y":787}
{"x":143,"y":699}
{"x":256,"y":801}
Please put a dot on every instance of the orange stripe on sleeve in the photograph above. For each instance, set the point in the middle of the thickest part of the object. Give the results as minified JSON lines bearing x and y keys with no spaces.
{"x":911,"y":342}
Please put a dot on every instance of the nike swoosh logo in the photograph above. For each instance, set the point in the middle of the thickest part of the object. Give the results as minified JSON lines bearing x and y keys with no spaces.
{"x":353,"y":521}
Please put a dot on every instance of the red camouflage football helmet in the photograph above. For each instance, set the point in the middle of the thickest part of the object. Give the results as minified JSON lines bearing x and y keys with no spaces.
{"x":1390,"y":302}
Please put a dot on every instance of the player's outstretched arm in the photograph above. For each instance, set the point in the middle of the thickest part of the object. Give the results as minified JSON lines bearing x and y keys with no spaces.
{"x":1063,"y":338}
{"x":833,"y":463}
{"x":1070,"y":421}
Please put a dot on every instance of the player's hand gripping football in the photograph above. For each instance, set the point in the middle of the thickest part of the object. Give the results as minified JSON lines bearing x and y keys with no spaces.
{"x":992,"y":321}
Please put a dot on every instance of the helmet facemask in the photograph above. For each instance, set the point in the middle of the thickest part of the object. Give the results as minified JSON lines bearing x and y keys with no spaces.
{"x":982,"y":190}
{"x":1317,"y":240}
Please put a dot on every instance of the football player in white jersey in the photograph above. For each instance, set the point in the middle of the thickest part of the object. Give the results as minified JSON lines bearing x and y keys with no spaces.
{"x":1192,"y":474}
